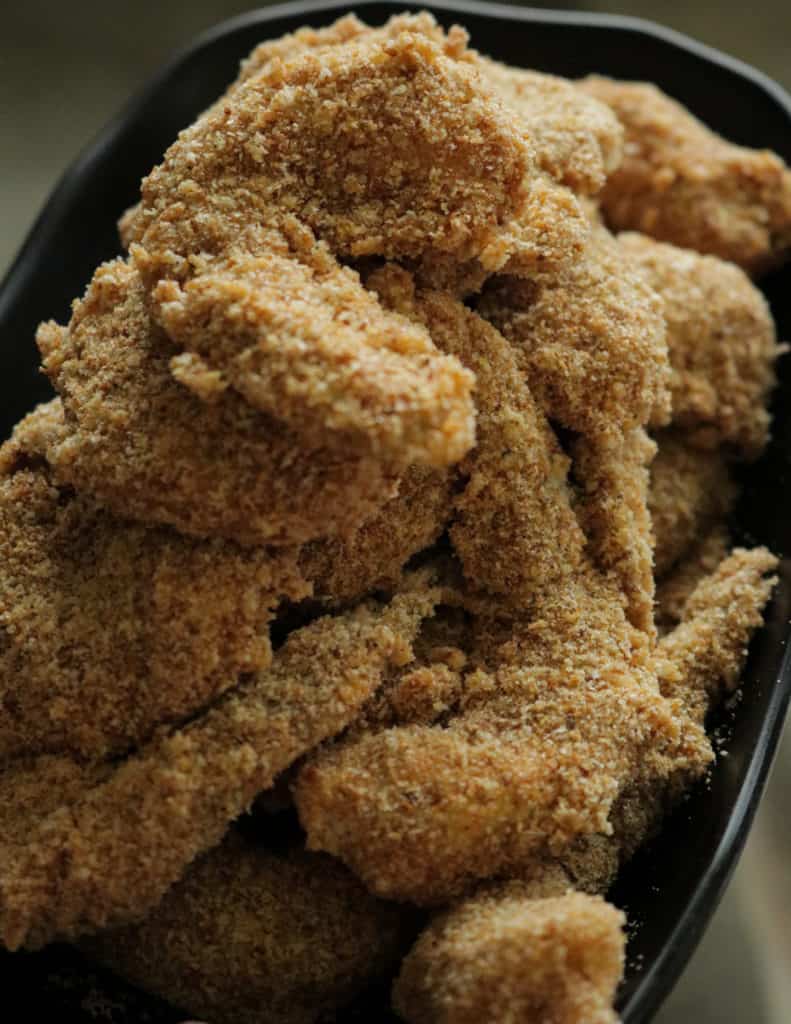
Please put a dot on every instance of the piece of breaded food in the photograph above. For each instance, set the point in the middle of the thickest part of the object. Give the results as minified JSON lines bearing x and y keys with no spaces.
{"x":533,"y":949}
{"x":704,"y":655}
{"x":375,"y":556}
{"x":89,"y":846}
{"x":677,"y":585}
{"x":291,"y":934}
{"x":301,"y":339}
{"x":215,"y":248}
{"x":506,"y":956}
{"x":149,"y":449}
{"x":347,"y":29}
{"x":361,"y":179}
{"x":590,"y":340}
{"x":108,"y":628}
{"x":699,"y":663}
{"x":551,"y":233}
{"x":691,"y":490}
{"x":721,"y":341}
{"x":550,"y":227}
{"x":514,"y":529}
{"x":613,"y":484}
{"x":423,"y":813}
{"x":578,"y":140}
{"x":430,"y":687}
{"x":680,"y":182}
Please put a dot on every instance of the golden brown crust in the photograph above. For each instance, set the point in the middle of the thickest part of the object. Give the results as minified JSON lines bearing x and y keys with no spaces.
{"x":578,"y":140}
{"x":506,"y":956}
{"x":514,"y":529}
{"x":613,"y":510}
{"x":226,"y":226}
{"x":294,"y":44}
{"x":421,"y":813}
{"x":486,"y":956}
{"x":285,"y":361}
{"x":374,"y":557}
{"x":690,"y":491}
{"x":590,"y":340}
{"x":677,"y":585}
{"x":245,"y":929}
{"x":104,"y":849}
{"x":682,"y":183}
{"x":109,"y":629}
{"x":704,"y":655}
{"x":146,"y":448}
{"x":300,"y":338}
{"x":397,"y":101}
{"x":721,"y":342}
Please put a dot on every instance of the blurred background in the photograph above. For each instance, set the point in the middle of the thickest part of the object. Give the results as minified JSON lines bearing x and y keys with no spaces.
{"x":65,"y":69}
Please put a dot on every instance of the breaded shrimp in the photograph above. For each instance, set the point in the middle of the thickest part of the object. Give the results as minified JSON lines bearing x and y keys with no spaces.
{"x":721,"y":341}
{"x":295,"y":933}
{"x":147,"y":448}
{"x":109,"y":629}
{"x":682,"y":183}
{"x":90,"y":846}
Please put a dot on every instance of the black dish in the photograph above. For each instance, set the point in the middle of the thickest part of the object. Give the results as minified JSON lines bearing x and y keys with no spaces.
{"x":671,"y":889}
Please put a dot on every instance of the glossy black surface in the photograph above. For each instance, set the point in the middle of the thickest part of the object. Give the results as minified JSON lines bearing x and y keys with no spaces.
{"x":671,"y":889}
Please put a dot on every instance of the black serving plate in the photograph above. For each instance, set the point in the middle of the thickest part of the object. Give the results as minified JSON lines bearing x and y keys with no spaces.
{"x":671,"y":889}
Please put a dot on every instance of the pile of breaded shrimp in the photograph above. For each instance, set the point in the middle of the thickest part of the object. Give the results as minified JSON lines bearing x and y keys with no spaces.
{"x":385,"y":495}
